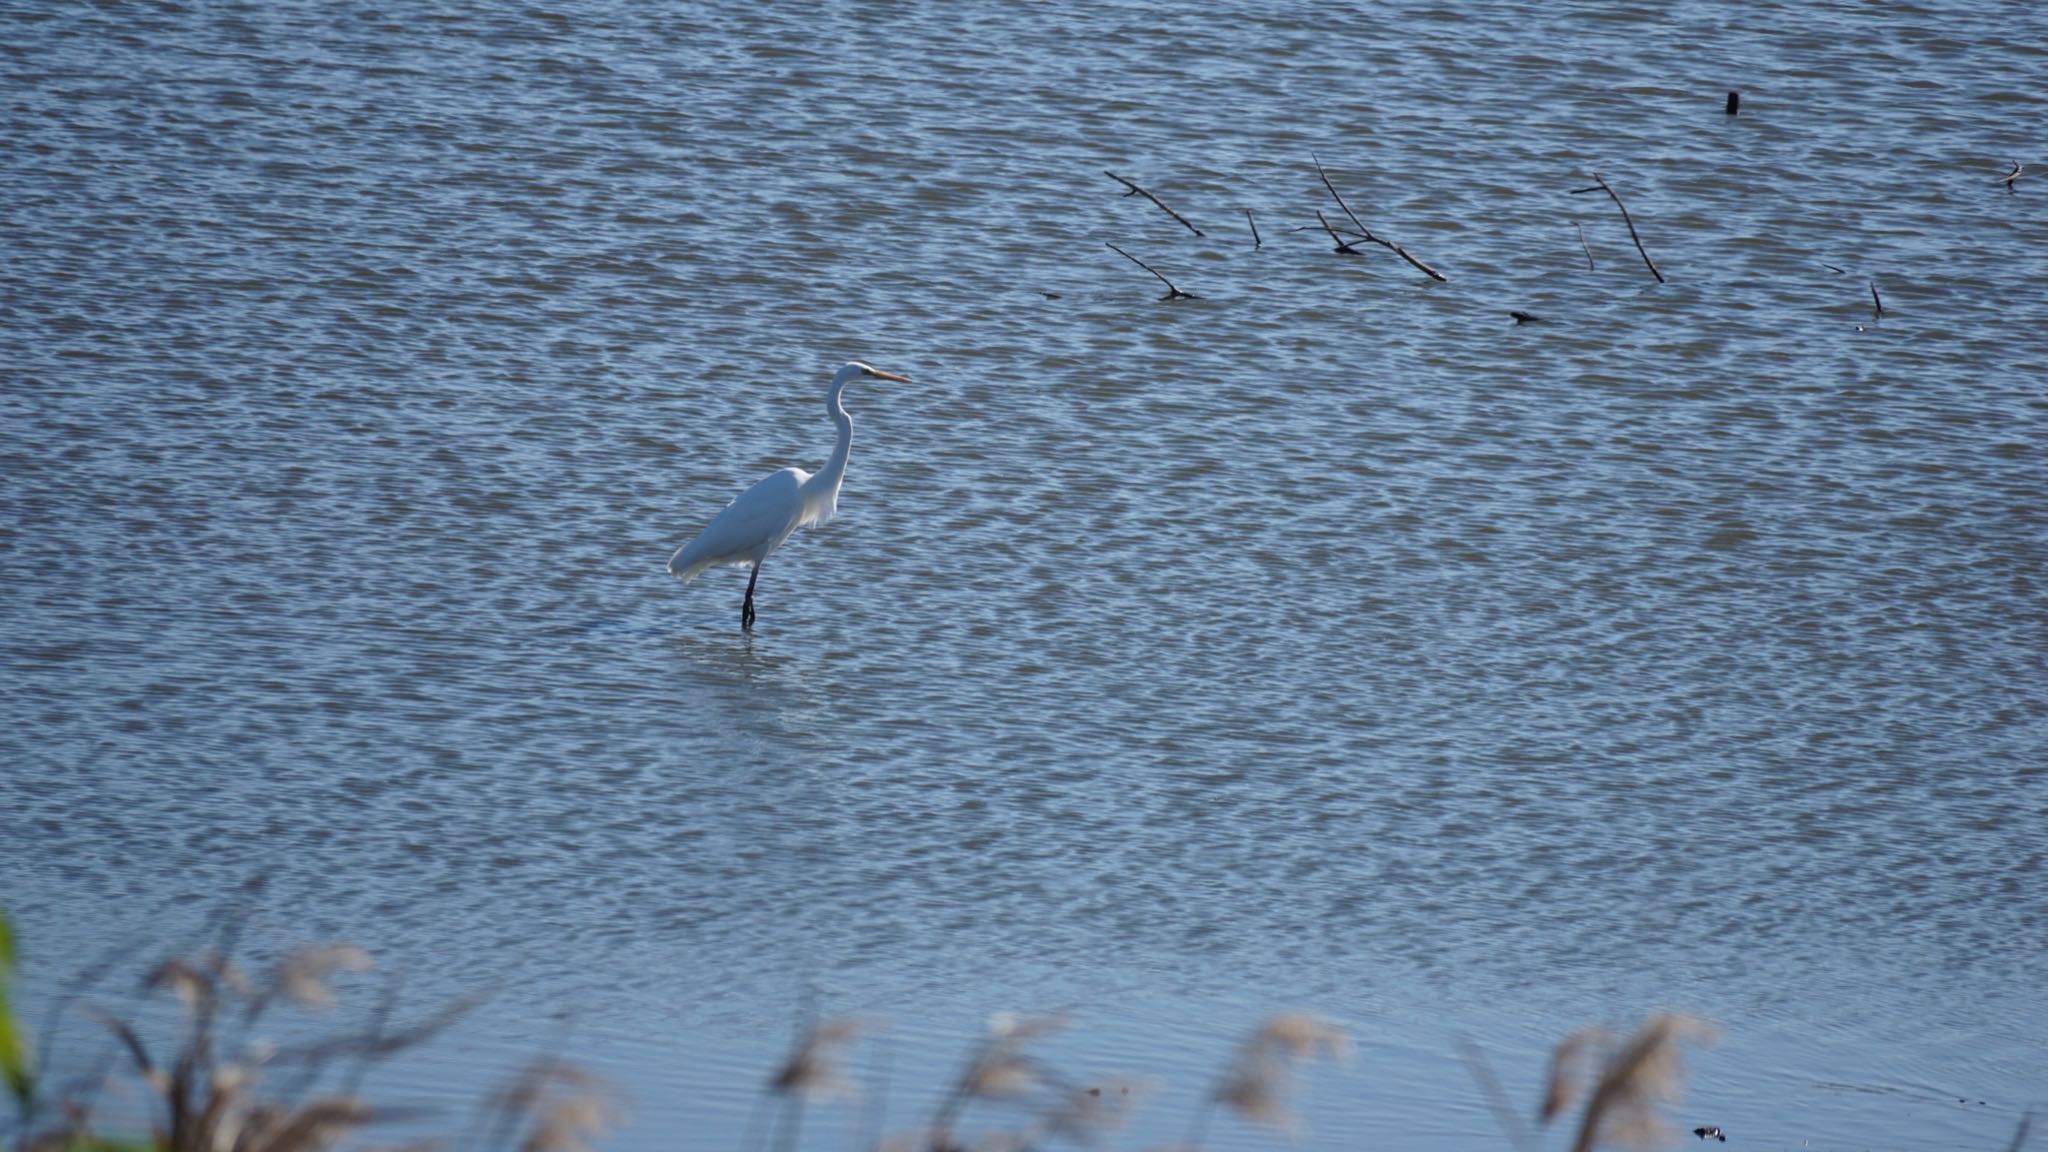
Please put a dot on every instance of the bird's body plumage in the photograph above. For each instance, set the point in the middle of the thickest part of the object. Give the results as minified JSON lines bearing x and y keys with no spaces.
{"x":745,"y":531}
{"x":759,"y":519}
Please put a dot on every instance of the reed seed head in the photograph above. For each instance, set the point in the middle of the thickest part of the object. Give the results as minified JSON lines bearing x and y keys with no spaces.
{"x":1259,"y":1086}
{"x":1641,"y":1075}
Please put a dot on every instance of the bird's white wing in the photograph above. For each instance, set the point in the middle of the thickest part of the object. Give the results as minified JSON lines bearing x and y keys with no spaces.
{"x":748,"y":529}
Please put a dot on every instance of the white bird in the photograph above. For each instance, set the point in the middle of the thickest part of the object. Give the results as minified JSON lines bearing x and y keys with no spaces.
{"x":761,"y":518}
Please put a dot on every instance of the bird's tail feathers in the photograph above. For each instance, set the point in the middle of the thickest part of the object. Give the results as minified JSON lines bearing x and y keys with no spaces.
{"x":684,"y":568}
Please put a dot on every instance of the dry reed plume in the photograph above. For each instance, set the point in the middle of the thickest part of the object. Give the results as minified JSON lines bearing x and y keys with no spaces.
{"x":1635,"y":1077}
{"x":1259,"y":1083}
{"x":217,"y":1088}
{"x":1001,"y":1070}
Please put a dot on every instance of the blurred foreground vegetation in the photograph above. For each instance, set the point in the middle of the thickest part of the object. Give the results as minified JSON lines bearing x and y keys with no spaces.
{"x":214,"y":1085}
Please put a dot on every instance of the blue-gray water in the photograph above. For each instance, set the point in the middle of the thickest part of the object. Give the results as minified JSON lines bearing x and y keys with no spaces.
{"x":1325,"y":641}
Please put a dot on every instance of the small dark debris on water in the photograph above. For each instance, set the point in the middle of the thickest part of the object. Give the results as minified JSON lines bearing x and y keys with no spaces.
{"x":1526,"y":317}
{"x":1711,"y":1133}
{"x":1734,"y":102}
{"x":1052,"y":295}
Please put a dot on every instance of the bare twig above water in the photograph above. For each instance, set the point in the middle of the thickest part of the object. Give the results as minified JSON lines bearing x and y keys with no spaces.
{"x":1317,"y":161}
{"x":1365,"y":232}
{"x":1256,"y":242}
{"x":1877,"y":304}
{"x":1172,"y":293}
{"x":1583,"y":246}
{"x":1137,"y":191}
{"x":1600,"y":185}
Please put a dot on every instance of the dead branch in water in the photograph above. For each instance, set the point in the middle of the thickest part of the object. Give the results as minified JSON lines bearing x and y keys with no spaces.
{"x":2010,"y":179}
{"x":1583,"y":245}
{"x":1256,"y":242}
{"x":1365,"y":232}
{"x":1343,"y":247}
{"x":1875,"y":302}
{"x":1403,"y":254}
{"x":1172,"y":293}
{"x":1325,"y":226}
{"x":1334,"y":193}
{"x":1600,"y":185}
{"x":1137,"y":191}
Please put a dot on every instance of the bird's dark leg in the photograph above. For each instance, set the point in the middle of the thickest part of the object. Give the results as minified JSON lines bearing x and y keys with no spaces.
{"x":747,"y":608}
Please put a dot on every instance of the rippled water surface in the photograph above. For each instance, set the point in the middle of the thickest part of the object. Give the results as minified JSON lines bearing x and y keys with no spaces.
{"x":1328,"y":639}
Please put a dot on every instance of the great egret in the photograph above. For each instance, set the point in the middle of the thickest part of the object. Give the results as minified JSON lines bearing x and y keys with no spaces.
{"x":761,"y":518}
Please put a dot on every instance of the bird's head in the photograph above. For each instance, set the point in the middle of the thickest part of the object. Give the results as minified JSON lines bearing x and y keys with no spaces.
{"x":856,"y":368}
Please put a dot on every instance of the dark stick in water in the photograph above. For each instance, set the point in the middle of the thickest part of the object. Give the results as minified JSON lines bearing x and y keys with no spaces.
{"x":1600,"y":185}
{"x":1583,"y":246}
{"x":1342,"y":246}
{"x":1403,"y":254}
{"x":1367,"y":232}
{"x":1256,"y":242}
{"x":1172,"y":293}
{"x":1334,"y":193}
{"x":1137,"y":191}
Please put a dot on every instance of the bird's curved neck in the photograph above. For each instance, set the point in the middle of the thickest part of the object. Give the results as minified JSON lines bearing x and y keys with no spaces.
{"x":835,"y":468}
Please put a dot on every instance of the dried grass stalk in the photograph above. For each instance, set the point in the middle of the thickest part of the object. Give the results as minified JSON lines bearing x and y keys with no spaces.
{"x":1644,"y":1073}
{"x":816,"y":1070}
{"x":204,"y":1099}
{"x":1259,"y":1086}
{"x":559,"y":1106}
{"x":1000,"y":1069}
{"x":1567,"y":1070}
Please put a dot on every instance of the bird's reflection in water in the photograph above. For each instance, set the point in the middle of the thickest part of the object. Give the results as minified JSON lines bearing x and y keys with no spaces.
{"x":758,"y":688}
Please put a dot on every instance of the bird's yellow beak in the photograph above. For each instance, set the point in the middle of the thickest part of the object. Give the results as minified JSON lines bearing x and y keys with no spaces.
{"x":878,"y":374}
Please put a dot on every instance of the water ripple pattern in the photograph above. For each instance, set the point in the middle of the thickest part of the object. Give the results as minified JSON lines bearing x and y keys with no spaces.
{"x":1328,"y":631}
